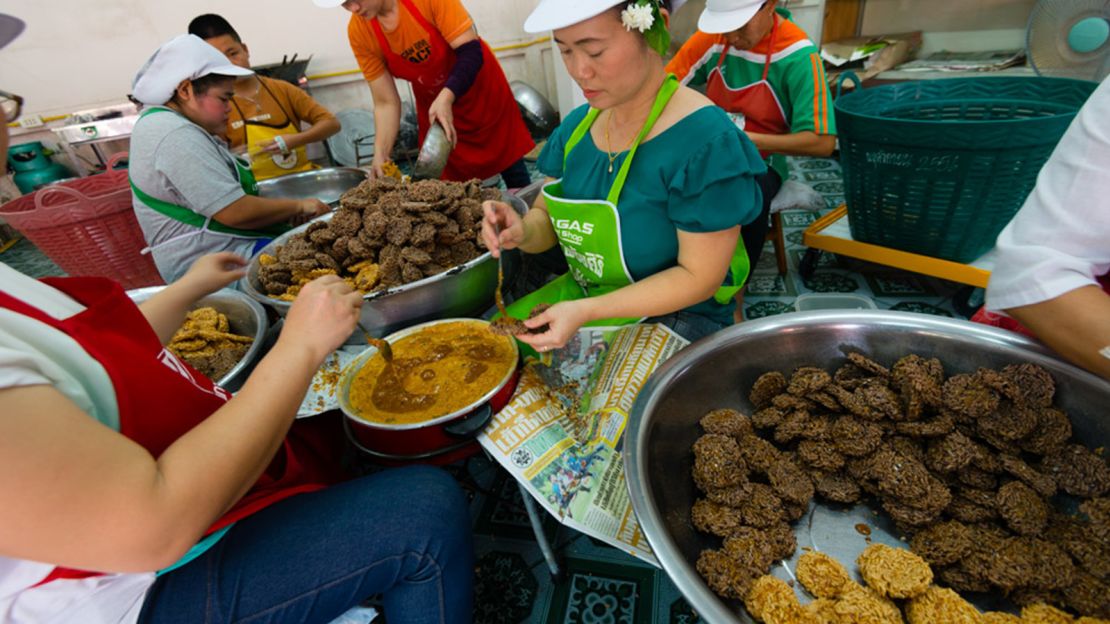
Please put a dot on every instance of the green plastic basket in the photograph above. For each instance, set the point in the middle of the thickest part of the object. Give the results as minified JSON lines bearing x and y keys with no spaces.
{"x":939,"y":167}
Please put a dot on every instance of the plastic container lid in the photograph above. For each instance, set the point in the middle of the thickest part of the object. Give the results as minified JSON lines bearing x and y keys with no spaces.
{"x":833,"y":301}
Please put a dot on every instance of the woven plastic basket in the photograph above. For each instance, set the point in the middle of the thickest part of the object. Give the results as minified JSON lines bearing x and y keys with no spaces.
{"x":939,"y":167}
{"x":87,"y":227}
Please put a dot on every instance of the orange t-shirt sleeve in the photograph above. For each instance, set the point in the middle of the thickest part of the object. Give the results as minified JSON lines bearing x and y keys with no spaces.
{"x":691,"y":56}
{"x":365,"y":47}
{"x":448,"y":16}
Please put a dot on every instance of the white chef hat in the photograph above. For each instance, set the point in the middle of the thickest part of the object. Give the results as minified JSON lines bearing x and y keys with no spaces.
{"x":556,"y":14}
{"x":185,"y":57}
{"x":10,"y":27}
{"x":724,"y":16}
{"x":327,"y":4}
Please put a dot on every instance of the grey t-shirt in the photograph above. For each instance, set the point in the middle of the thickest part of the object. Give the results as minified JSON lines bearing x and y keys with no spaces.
{"x":177,"y":161}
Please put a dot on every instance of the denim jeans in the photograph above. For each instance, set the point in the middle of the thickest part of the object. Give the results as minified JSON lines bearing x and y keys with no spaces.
{"x":690,"y":326}
{"x":403,"y":533}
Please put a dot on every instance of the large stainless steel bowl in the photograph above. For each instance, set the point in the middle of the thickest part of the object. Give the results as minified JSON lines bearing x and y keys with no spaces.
{"x":718,"y":372}
{"x":539,"y":115}
{"x":433,"y":156}
{"x":245,"y":316}
{"x":462,"y":291}
{"x":327,"y":185}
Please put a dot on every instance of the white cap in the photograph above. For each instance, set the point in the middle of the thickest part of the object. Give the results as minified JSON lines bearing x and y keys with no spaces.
{"x":10,"y":27}
{"x":185,"y":57}
{"x":556,"y":14}
{"x":724,"y":16}
{"x":327,"y":4}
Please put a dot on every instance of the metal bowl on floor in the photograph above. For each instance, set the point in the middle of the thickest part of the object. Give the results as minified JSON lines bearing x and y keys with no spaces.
{"x":718,"y":371}
{"x":327,"y":185}
{"x":465,"y":290}
{"x":245,"y":316}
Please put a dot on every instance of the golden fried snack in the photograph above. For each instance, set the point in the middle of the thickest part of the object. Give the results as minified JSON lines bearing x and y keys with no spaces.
{"x":772,"y":601}
{"x":206,"y":344}
{"x":940,"y":604}
{"x":894,"y":572}
{"x":822,"y":575}
{"x":823,"y":611}
{"x":391,"y":169}
{"x":863,"y":605}
{"x":1042,"y":613}
{"x":998,"y":617}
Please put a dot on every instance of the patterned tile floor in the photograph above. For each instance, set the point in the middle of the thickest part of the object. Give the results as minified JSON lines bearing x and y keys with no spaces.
{"x":601,"y":584}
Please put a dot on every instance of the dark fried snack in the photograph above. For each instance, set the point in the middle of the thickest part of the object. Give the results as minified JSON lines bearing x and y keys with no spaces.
{"x":1051,"y":434}
{"x":763,"y":508}
{"x":950,"y":453}
{"x":758,"y":454}
{"x":725,"y":575}
{"x":728,"y":422}
{"x":868,"y":365}
{"x":766,"y":387}
{"x":930,"y":428}
{"x":874,"y":401}
{"x":1010,"y":422}
{"x":1088,"y":595}
{"x":821,"y":455}
{"x":749,"y":548}
{"x":767,"y":418}
{"x":1034,"y":383}
{"x":968,"y":398}
{"x":807,"y":380}
{"x":709,"y":517}
{"x":1042,"y":484}
{"x":1098,"y":518}
{"x":854,"y":437}
{"x":1013,"y":565}
{"x":717,"y":461}
{"x":943,"y":543}
{"x":732,"y":496}
{"x":790,"y":482}
{"x":838,"y":488}
{"x":1078,"y":471}
{"x":509,"y":326}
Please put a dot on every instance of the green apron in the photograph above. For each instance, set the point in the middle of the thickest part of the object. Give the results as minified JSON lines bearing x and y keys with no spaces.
{"x":589,"y":232}
{"x":199,"y":221}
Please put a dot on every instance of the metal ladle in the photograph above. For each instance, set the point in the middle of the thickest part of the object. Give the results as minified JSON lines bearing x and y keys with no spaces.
{"x":382,"y":345}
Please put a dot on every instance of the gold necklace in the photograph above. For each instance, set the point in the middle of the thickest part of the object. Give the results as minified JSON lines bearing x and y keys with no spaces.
{"x":612,"y":156}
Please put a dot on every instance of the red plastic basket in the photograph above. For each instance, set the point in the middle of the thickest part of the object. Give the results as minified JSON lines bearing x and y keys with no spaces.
{"x":87,"y":227}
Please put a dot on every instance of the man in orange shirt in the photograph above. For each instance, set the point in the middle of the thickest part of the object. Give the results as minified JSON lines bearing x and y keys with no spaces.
{"x":267,"y":114}
{"x":455,"y":77}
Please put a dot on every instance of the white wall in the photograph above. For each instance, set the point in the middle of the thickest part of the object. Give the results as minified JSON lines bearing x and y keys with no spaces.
{"x":82,"y":54}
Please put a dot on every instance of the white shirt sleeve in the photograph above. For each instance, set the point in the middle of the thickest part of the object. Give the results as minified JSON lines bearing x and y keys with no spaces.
{"x":1060,"y":239}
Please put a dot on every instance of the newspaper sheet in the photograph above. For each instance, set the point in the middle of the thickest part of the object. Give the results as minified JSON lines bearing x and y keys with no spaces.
{"x":561,"y":434}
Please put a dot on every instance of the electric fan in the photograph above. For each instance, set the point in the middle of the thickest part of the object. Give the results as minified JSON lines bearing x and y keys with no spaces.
{"x":1070,"y":39}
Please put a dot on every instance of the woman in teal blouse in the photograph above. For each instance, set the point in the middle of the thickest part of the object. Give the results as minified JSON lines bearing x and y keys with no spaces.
{"x":651,"y":185}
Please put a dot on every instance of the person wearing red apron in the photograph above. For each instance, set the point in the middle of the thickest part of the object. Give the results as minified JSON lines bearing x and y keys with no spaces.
{"x":765,"y":72}
{"x":268,"y":113}
{"x":457,"y":81}
{"x":150,"y":448}
{"x":1050,"y":266}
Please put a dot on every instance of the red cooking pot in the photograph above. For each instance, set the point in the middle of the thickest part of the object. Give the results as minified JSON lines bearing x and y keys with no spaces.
{"x":441,"y":439}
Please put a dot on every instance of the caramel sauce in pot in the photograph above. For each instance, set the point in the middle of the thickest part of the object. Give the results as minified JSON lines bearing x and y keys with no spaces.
{"x":435,"y":371}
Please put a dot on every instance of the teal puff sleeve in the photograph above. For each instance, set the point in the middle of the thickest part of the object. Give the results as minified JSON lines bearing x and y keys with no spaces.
{"x":716,"y":188}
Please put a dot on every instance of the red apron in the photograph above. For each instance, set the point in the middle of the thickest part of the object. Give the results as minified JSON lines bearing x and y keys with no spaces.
{"x":491,"y":132}
{"x":983,"y":317}
{"x":144,"y":373}
{"x":763,"y":114}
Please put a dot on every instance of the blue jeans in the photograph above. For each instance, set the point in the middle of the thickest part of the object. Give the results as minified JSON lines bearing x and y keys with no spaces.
{"x":402,"y":533}
{"x":690,"y":326}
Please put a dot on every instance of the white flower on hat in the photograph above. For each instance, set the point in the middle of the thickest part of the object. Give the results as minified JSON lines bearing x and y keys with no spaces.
{"x":638,"y":16}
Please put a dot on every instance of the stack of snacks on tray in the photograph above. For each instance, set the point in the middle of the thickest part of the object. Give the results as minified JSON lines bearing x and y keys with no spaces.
{"x":205,"y":341}
{"x":968,"y":467}
{"x":385,"y":233}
